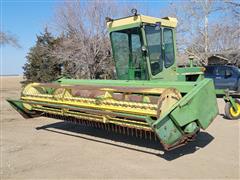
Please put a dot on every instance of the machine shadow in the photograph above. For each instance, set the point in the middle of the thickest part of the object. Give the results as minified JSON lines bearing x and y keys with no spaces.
{"x":128,"y":142}
{"x":226,"y":118}
{"x":223,"y":116}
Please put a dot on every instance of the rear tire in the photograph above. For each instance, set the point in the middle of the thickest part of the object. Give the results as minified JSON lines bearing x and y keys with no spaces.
{"x":230,"y":112}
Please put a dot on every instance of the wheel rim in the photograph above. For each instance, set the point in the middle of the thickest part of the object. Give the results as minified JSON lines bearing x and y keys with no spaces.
{"x":235,"y":113}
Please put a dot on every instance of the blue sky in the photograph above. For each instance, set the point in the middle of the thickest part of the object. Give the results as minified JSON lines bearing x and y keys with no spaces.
{"x":26,"y":19}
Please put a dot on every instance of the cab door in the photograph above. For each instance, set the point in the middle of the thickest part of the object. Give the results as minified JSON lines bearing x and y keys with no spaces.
{"x":128,"y":56}
{"x":161,"y":52}
{"x":137,"y":62}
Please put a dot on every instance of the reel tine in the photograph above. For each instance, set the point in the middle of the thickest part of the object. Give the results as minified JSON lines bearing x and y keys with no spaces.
{"x":99,"y":125}
{"x":95,"y":124}
{"x":89,"y":123}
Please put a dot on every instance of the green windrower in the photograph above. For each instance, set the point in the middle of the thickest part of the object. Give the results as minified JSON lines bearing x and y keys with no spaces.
{"x":151,"y":98}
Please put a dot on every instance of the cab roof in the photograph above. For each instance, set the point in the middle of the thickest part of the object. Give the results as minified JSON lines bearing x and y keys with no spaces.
{"x":134,"y":21}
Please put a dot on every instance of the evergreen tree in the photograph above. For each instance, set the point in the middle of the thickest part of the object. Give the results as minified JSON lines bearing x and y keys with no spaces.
{"x":42,"y":65}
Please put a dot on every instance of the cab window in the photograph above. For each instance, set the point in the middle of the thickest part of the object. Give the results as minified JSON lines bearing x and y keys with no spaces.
{"x":169,"y":55}
{"x":153,"y":35}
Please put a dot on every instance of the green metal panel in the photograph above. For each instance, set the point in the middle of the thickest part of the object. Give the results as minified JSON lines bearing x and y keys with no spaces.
{"x":196,"y":105}
{"x":168,"y":132}
{"x":18,"y":106}
{"x":183,"y":87}
{"x":184,"y":72}
{"x":188,"y":115}
{"x":190,"y":70}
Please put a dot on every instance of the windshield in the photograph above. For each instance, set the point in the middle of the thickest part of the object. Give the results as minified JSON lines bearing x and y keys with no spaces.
{"x":127,"y":54}
{"x":153,"y":35}
{"x":169,"y":55}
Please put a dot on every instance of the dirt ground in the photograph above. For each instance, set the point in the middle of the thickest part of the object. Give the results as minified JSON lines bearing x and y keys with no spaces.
{"x":48,"y":148}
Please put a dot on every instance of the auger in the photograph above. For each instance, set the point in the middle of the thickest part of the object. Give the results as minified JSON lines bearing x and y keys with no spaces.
{"x":151,"y":98}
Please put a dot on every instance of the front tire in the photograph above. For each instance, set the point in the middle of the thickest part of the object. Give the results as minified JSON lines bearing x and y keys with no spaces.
{"x":230,"y":112}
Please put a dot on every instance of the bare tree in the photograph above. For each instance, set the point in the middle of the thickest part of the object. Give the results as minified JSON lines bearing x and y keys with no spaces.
{"x":7,"y":38}
{"x":206,"y":26}
{"x":234,"y":8}
{"x":85,"y":43}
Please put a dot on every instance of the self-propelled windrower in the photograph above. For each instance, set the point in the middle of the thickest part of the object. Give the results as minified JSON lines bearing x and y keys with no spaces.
{"x":151,"y":97}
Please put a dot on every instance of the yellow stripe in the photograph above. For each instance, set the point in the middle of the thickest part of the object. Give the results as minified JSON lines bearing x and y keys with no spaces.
{"x":92,"y":104}
{"x":97,"y":118}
